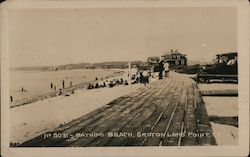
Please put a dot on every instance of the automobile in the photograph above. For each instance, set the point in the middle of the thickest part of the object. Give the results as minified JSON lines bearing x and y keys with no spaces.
{"x":224,"y":67}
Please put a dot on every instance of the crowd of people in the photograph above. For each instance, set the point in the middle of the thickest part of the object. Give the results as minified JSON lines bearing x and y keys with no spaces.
{"x":107,"y":83}
{"x":137,"y":76}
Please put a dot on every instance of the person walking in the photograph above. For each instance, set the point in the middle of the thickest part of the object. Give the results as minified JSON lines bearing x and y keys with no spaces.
{"x":166,"y":69}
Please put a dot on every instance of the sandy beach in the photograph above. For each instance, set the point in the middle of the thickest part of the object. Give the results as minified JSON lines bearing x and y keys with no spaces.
{"x":31,"y":120}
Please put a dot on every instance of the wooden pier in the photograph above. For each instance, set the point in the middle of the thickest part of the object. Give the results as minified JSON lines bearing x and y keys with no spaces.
{"x":168,"y":112}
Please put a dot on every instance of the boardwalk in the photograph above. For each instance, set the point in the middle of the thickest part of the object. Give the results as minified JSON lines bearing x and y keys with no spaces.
{"x":168,"y":112}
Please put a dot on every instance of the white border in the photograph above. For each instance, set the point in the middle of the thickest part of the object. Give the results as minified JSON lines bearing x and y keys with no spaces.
{"x":243,"y":48}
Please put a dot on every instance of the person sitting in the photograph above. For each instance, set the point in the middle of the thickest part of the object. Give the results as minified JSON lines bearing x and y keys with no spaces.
{"x":104,"y":84}
{"x":121,"y":81}
{"x":97,"y":85}
{"x":133,"y":82}
{"x":90,"y":86}
{"x":137,"y":79}
{"x":60,"y":92}
{"x":133,"y":77}
{"x":126,"y":82}
{"x":67,"y":94}
{"x":117,"y":82}
{"x":111,"y":84}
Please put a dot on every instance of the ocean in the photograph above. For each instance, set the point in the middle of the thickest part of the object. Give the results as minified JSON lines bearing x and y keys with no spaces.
{"x":37,"y":83}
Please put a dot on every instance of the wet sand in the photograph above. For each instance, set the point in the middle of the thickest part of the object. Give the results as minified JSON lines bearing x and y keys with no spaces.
{"x":49,"y":94}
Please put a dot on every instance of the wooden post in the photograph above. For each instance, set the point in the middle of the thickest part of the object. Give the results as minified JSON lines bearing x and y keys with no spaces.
{"x":129,"y":75}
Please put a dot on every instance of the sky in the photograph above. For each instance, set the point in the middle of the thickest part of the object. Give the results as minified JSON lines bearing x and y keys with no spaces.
{"x":63,"y":36}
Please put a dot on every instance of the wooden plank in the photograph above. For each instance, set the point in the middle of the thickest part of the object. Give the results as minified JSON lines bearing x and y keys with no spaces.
{"x":190,"y":126}
{"x":165,"y":119}
{"x":146,"y":123}
{"x":176,"y":128}
{"x":203,"y":124}
{"x":106,"y":117}
{"x":142,"y":111}
{"x":100,"y":114}
{"x":172,"y":105}
{"x":127,"y":114}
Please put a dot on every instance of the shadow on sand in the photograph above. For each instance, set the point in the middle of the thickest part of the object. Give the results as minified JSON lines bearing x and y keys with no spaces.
{"x":233,"y":121}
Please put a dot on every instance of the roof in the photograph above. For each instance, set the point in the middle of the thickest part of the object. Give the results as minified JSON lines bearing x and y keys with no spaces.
{"x":173,"y":53}
{"x":176,"y":53}
{"x":228,"y":54}
{"x":154,"y":58}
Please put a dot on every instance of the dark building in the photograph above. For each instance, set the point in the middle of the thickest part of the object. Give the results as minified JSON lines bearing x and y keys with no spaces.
{"x":175,"y":58}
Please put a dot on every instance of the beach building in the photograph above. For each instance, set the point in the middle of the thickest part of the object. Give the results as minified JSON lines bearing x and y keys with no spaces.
{"x":53,"y":68}
{"x":153,"y":59}
{"x":175,"y":58}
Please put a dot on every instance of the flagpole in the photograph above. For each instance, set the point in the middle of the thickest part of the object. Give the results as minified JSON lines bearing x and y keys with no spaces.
{"x":129,"y":75}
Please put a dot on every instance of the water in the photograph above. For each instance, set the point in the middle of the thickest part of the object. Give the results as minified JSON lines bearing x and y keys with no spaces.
{"x":36,"y":83}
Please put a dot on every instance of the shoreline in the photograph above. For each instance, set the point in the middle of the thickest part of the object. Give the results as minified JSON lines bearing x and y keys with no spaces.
{"x":49,"y":95}
{"x":56,"y":111}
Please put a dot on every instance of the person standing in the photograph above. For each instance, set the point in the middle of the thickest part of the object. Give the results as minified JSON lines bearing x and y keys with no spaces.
{"x":11,"y":99}
{"x":51,"y":85}
{"x":145,"y":77}
{"x":63,"y":83}
{"x":161,"y":69}
{"x":141,"y":79}
{"x":70,"y":84}
{"x":166,"y":69}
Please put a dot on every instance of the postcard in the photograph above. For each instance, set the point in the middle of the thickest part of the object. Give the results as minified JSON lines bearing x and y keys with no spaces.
{"x":125,"y":78}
